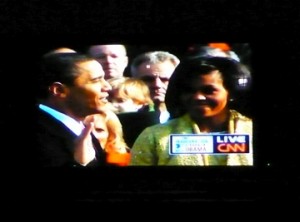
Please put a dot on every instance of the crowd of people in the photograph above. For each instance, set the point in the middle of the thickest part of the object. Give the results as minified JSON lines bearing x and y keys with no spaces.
{"x":89,"y":113}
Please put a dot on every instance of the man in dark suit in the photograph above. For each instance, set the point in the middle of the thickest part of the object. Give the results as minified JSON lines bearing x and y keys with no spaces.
{"x":72,"y":86}
{"x":155,"y":68}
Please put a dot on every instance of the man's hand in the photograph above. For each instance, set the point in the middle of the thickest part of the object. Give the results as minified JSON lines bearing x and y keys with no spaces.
{"x":84,"y":151}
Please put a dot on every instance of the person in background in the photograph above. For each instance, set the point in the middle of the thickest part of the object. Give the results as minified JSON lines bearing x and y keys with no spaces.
{"x":63,"y":50}
{"x":113,"y":58}
{"x":155,"y":68}
{"x":130,"y":95}
{"x":198,"y":99}
{"x":71,"y":87}
{"x":130,"y":100}
{"x":225,"y":48}
{"x":212,"y":49}
{"x":108,"y":130}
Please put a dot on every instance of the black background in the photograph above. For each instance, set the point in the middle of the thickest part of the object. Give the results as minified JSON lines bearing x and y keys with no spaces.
{"x":30,"y":28}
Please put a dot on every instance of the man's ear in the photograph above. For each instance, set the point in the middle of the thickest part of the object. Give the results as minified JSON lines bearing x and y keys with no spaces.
{"x":58,"y":89}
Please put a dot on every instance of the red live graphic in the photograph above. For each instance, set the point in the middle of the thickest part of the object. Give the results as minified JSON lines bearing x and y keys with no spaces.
{"x":231,"y":144}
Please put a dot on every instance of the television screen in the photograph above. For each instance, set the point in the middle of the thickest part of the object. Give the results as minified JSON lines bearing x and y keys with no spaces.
{"x":248,"y":159}
{"x":193,"y":165}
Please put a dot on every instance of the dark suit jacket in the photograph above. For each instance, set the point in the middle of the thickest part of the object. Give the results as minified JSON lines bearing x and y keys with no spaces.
{"x":54,"y":143}
{"x":134,"y":123}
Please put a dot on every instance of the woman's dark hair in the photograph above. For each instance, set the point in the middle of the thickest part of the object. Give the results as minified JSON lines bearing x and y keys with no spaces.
{"x":190,"y":68}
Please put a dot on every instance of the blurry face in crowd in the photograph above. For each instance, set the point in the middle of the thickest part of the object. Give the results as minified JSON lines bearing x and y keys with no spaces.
{"x":122,"y":105}
{"x":89,"y":93}
{"x":113,"y":59}
{"x":206,"y":96}
{"x":157,"y":77}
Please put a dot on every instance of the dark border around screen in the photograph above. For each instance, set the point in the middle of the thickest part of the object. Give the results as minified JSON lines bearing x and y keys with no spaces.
{"x":275,"y":60}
